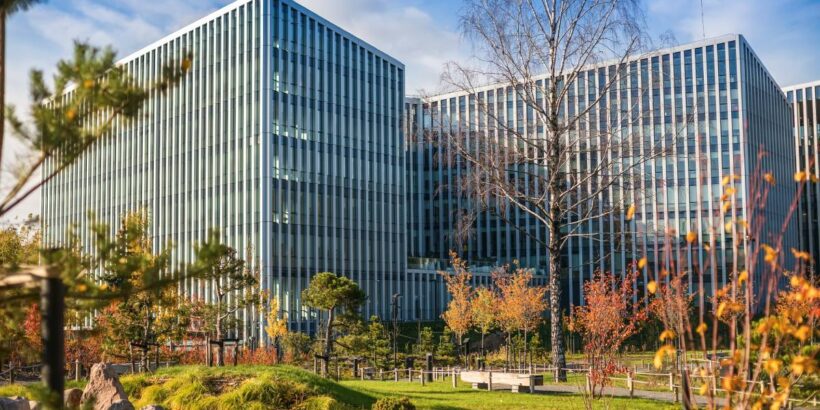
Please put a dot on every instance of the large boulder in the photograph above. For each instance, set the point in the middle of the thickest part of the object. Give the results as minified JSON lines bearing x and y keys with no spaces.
{"x":105,"y":388}
{"x":72,"y":398}
{"x":14,"y":403}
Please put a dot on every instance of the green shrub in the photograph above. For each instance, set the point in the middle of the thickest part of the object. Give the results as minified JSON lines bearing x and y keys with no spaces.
{"x":270,"y":392}
{"x":393,"y":403}
{"x":321,"y":403}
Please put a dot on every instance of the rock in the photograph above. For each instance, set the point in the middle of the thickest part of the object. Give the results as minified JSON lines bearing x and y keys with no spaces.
{"x":105,"y":388}
{"x":152,"y":407}
{"x":72,"y":398}
{"x":14,"y":403}
{"x":35,"y":405}
{"x":120,"y":405}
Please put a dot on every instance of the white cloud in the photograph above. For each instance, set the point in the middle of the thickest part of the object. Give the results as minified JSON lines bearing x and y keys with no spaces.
{"x":784,"y":33}
{"x":407,"y":33}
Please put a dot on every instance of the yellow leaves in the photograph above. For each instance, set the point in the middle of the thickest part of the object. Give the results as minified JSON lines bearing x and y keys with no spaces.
{"x":642,"y":262}
{"x":803,"y":364}
{"x":667,"y":335}
{"x":728,"y":227}
{"x":795,"y":281}
{"x":70,"y":114}
{"x":630,"y":212}
{"x":704,"y":388}
{"x":88,"y":83}
{"x":802,"y":333}
{"x":691,"y":237}
{"x":742,"y":277}
{"x":765,"y":325}
{"x":652,"y":287}
{"x":772,"y":366}
{"x":732,"y":383}
{"x":768,"y":177}
{"x":729,"y":178}
{"x":728,"y":192}
{"x":801,"y":176}
{"x":769,"y":254}
{"x":82,"y":287}
{"x":665,"y":350}
{"x":726,"y":206}
{"x":804,"y":256}
{"x":721,"y":309}
{"x":186,"y":64}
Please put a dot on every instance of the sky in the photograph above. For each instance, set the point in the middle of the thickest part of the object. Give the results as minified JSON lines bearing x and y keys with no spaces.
{"x":423,"y":34}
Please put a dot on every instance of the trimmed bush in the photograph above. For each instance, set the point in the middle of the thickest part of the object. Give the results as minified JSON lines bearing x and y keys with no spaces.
{"x":321,"y":403}
{"x":394,"y":403}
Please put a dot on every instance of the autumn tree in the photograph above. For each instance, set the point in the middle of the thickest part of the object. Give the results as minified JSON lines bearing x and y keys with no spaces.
{"x":277,"y":327}
{"x":606,"y":320}
{"x":484,"y":311}
{"x":458,"y":314}
{"x":334,"y":295}
{"x":521,"y":304}
{"x":539,"y":51}
{"x":234,"y":287}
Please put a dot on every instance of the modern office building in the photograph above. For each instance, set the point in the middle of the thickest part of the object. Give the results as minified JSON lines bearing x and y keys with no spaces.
{"x":285,"y":135}
{"x":805,"y":103}
{"x":294,"y":139}
{"x":711,"y":104}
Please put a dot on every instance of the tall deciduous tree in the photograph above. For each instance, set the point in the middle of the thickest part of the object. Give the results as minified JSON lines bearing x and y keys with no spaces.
{"x":458,"y":315}
{"x":233,"y":283}
{"x":560,"y":167}
{"x":334,"y":295}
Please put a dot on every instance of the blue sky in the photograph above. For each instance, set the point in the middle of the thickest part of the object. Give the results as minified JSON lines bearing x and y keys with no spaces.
{"x":423,"y":34}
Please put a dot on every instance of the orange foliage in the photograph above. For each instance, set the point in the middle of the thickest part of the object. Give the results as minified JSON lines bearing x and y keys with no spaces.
{"x":458,"y":314}
{"x":606,"y":321}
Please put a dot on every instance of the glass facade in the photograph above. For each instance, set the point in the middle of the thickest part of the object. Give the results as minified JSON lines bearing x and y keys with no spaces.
{"x":805,"y":103}
{"x":286,"y":135}
{"x":711,"y":104}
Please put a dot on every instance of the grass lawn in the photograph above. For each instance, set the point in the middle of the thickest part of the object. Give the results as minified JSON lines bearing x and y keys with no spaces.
{"x":441,"y":396}
{"x":265,"y":387}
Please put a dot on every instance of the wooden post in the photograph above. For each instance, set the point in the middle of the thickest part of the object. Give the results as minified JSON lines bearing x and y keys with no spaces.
{"x":421,"y":376}
{"x":532,"y":383}
{"x":589,"y":383}
{"x":396,"y":373}
{"x":671,"y":381}
{"x":77,"y":370}
{"x":453,"y":375}
{"x":490,"y":381}
{"x":11,"y":373}
{"x":52,"y":308}
{"x":630,"y":384}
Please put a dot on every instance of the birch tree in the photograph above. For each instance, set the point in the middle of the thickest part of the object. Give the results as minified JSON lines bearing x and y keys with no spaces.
{"x":568,"y":157}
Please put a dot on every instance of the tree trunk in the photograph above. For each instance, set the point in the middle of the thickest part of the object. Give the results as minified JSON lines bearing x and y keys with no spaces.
{"x":2,"y":80}
{"x":328,"y":343}
{"x":559,"y":360}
